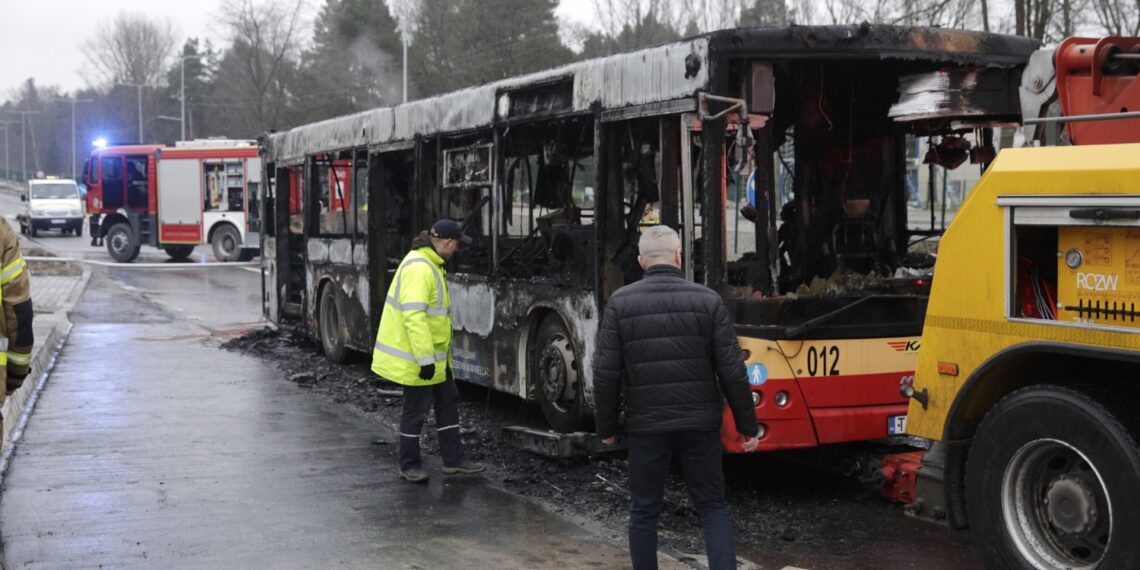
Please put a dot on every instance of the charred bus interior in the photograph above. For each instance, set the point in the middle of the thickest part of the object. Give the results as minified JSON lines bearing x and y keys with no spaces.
{"x":823,"y":248}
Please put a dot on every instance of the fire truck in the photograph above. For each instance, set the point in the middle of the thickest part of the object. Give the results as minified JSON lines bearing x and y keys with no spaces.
{"x":176,"y":198}
{"x":1027,"y":376}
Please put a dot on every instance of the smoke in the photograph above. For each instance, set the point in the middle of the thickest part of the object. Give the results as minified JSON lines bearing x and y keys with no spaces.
{"x":381,"y":68}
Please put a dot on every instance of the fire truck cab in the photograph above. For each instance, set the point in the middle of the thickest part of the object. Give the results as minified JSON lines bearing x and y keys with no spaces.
{"x":176,"y":198}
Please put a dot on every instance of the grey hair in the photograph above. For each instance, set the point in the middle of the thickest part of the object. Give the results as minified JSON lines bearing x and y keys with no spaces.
{"x":658,"y":244}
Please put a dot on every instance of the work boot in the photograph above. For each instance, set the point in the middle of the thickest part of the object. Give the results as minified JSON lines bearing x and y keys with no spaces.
{"x":467,"y":467}
{"x":414,"y":475}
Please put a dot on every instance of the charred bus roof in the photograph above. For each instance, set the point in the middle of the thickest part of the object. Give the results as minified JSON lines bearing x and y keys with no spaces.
{"x":666,"y":76}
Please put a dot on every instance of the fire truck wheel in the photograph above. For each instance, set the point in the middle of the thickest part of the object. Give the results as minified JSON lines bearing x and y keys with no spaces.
{"x":1051,"y":483}
{"x":179,"y":252}
{"x":556,"y":371}
{"x":226,"y":243}
{"x":333,"y":333}
{"x":120,"y":245}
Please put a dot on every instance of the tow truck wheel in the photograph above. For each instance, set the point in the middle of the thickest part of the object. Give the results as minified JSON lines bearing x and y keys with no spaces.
{"x":555,"y":370}
{"x":226,"y":243}
{"x":120,"y":245}
{"x":333,"y":333}
{"x":179,"y":252}
{"x":1050,"y":483}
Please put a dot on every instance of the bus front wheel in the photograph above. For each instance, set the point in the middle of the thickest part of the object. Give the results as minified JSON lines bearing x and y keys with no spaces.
{"x":1051,"y":480}
{"x":556,"y":371}
{"x":120,"y":244}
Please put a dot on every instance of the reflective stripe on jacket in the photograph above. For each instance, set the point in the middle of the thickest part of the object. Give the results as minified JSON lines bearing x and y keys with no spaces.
{"x":415,"y":327}
{"x":16,"y":336}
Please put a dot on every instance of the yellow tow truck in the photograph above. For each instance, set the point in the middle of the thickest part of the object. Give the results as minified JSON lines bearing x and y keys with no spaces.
{"x":1028,"y":379}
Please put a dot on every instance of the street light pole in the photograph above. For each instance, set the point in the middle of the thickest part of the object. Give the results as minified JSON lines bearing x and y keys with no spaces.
{"x":23,"y":139}
{"x":183,"y":98}
{"x":141,"y":139}
{"x":7,"y":149}
{"x":138,"y":86}
{"x":73,"y":102}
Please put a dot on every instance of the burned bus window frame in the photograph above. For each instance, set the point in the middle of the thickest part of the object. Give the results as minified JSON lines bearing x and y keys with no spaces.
{"x":545,"y":214}
{"x":322,"y":172}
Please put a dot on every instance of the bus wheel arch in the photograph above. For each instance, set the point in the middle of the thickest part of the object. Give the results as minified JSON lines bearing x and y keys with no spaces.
{"x":554,"y":371}
{"x":331,"y":326}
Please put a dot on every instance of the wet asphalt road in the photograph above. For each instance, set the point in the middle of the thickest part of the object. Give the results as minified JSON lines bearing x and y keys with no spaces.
{"x":152,"y":448}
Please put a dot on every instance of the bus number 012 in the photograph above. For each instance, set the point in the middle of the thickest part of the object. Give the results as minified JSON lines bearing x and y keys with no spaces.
{"x":823,"y":361}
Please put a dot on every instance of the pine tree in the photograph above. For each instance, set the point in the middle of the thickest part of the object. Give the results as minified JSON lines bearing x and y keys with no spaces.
{"x":469,"y":42}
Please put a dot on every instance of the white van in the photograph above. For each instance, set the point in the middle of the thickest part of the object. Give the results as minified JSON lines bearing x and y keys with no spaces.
{"x":52,"y":203}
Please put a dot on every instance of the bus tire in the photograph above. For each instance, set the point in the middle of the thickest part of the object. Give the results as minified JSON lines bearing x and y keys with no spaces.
{"x":331,"y":324}
{"x":226,"y":243}
{"x":556,"y":371}
{"x":179,"y":252}
{"x":1051,"y":482}
{"x":120,"y":245}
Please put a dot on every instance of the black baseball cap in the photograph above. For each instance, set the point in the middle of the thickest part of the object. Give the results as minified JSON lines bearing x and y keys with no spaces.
{"x":450,"y":229}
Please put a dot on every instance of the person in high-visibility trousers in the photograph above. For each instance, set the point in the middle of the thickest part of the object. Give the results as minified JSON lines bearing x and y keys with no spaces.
{"x":413,"y":348}
{"x":16,"y":336}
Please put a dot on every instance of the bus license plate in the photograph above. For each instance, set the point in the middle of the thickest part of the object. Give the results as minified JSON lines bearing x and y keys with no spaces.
{"x":896,"y":425}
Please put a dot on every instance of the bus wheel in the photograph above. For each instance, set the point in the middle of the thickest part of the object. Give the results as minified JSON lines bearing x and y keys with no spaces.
{"x":555,"y":369}
{"x":1051,"y":483}
{"x":226,"y":244}
{"x":179,"y":252}
{"x":120,"y":245}
{"x":332,"y":326}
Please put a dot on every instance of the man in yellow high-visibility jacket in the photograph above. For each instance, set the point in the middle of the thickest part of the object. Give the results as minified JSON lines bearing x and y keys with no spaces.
{"x":413,"y":348}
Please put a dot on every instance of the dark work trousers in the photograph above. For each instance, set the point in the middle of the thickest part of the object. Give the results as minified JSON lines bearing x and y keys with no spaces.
{"x":699,"y":454}
{"x":417,"y":401}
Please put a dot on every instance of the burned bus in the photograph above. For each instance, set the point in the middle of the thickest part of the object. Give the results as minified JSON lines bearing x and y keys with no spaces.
{"x":778,"y":154}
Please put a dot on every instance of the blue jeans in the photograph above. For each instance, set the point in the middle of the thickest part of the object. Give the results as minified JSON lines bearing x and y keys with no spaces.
{"x":698,"y":454}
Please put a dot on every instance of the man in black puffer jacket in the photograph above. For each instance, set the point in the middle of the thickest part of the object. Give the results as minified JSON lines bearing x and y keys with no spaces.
{"x":667,"y":350}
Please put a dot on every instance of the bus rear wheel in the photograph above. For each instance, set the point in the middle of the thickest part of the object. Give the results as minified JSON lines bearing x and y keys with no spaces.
{"x":556,"y":370}
{"x":120,"y":245}
{"x":333,"y":333}
{"x":226,"y":243}
{"x":179,"y":252}
{"x":1050,"y":483}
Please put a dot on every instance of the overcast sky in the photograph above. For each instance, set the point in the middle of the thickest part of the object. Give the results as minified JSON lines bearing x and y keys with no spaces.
{"x":43,"y":38}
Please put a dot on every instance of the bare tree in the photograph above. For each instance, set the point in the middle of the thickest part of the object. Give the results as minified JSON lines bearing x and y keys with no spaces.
{"x":1118,"y":17}
{"x":254,"y":73}
{"x":132,"y":49}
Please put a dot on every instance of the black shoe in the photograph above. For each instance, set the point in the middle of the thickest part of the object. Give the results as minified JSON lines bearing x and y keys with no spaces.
{"x":414,"y":475}
{"x":466,"y":468}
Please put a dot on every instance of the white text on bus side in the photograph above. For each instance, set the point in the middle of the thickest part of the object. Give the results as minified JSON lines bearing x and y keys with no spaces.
{"x":1097,"y":281}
